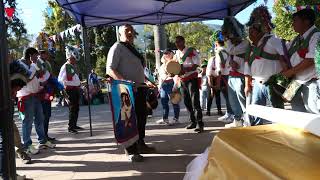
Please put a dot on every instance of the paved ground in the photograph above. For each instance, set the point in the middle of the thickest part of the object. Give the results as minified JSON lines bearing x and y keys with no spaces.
{"x":99,"y":157}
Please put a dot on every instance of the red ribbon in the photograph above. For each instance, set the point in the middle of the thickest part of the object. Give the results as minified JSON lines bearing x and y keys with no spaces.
{"x":302,"y":52}
{"x":9,"y":12}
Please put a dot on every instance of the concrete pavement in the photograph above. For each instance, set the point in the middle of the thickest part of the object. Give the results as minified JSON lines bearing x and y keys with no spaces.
{"x":99,"y":157}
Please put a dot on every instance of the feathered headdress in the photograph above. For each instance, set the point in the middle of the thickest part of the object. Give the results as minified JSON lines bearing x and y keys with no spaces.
{"x":19,"y":72}
{"x":72,"y":51}
{"x":260,"y":17}
{"x":232,"y":28}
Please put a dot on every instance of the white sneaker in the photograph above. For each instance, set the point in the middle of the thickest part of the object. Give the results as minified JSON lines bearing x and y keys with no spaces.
{"x":171,"y":122}
{"x":224,"y":117}
{"x":163,"y":121}
{"x":32,"y":150}
{"x":48,"y":144}
{"x":149,"y":116}
{"x":234,"y":124}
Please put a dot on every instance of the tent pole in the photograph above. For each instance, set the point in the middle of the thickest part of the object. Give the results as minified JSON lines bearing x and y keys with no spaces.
{"x":7,"y":158}
{"x":88,"y":64}
{"x":117,"y":33}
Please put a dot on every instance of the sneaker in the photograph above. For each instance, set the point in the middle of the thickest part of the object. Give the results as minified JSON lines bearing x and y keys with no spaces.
{"x":51,"y":139}
{"x":192,"y":125}
{"x":48,"y":144}
{"x":32,"y":150}
{"x":199,"y":128}
{"x":145,"y":149}
{"x":176,"y":120}
{"x":234,"y":124}
{"x":163,"y":121}
{"x":72,"y":131}
{"x":19,"y":177}
{"x":171,"y":122}
{"x":230,"y":119}
{"x":224,"y":117}
{"x":25,"y":158}
{"x":136,"y":158}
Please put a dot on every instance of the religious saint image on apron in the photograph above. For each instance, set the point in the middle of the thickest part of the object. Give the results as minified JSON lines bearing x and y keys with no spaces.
{"x":123,"y":110}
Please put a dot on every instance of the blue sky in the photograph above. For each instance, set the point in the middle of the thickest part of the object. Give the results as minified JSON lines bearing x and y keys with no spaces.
{"x":31,"y":13}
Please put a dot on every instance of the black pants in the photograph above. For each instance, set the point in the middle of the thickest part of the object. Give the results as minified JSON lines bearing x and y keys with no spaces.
{"x":216,"y":94}
{"x":192,"y":99}
{"x":74,"y":96}
{"x":141,"y":114}
{"x":1,"y":154}
{"x":46,"y":107}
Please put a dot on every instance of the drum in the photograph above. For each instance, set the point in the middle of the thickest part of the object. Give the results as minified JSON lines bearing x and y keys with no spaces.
{"x":291,"y":90}
{"x":175,"y":97}
{"x":173,"y":67}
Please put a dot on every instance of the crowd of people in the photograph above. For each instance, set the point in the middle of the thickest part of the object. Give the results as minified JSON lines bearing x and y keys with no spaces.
{"x":246,"y":67}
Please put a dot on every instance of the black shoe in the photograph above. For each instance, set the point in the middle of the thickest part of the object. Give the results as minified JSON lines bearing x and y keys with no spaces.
{"x":208,"y":113}
{"x":73,"y":131}
{"x":51,"y":139}
{"x":79,"y":128}
{"x":24,"y":157}
{"x":220,"y":113}
{"x":192,"y":125}
{"x":199,"y":128}
{"x":144,"y":149}
{"x":136,"y":158}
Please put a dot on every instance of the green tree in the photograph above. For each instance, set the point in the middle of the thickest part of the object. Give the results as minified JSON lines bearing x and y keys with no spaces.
{"x":58,"y":22}
{"x":196,"y":34}
{"x":100,"y":38}
{"x":283,"y":20}
{"x":18,"y":38}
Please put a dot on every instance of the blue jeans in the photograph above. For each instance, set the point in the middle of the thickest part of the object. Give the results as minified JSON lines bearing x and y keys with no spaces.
{"x":46,"y":107}
{"x":237,"y":98}
{"x":165,"y":91}
{"x":307,"y":98}
{"x":33,"y":113}
{"x":260,"y":96}
{"x":204,"y":96}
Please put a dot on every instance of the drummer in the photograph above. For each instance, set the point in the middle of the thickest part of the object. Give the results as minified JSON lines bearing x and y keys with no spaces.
{"x":302,"y":60}
{"x":168,"y":84}
{"x":190,"y":60}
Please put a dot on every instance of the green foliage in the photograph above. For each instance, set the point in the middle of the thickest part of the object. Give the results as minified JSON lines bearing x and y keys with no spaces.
{"x":100,"y":40}
{"x":18,"y":39}
{"x":283,"y":20}
{"x":196,"y":34}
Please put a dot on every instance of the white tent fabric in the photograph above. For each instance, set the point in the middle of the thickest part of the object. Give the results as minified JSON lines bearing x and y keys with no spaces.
{"x":117,"y":12}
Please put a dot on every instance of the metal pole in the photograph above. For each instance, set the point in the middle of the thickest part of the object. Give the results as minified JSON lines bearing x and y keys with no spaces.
{"x":6,"y":113}
{"x":157,"y":48}
{"x":88,"y":64}
{"x":117,"y":33}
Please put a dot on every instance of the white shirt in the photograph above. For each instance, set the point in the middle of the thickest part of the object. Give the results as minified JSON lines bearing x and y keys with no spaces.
{"x":63,"y":77}
{"x":33,"y":86}
{"x":237,"y":50}
{"x":190,"y":61}
{"x":310,"y":73}
{"x":219,"y":65}
{"x":211,"y":67}
{"x":261,"y":69}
